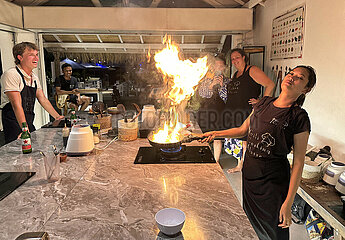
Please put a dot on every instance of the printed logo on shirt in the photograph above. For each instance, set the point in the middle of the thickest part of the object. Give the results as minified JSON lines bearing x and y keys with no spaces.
{"x":260,"y":145}
{"x":268,"y":140}
{"x":274,"y":121}
{"x":233,"y":87}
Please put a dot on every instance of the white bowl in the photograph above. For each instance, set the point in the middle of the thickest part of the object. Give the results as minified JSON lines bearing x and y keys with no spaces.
{"x":170,"y":220}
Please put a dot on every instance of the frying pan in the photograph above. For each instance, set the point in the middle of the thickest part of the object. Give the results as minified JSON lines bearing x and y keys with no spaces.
{"x":187,"y":139}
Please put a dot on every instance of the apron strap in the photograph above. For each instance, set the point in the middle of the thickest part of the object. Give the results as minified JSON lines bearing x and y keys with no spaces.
{"x":21,"y":74}
{"x":23,"y":78}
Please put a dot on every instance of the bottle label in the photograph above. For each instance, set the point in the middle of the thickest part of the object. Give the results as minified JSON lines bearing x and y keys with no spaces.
{"x":26,"y":144}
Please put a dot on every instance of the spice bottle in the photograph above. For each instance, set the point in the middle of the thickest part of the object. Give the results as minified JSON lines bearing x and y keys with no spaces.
{"x":65,"y":134}
{"x":26,"y":139}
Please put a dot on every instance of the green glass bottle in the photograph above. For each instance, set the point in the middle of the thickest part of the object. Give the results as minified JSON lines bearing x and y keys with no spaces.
{"x":26,"y":139}
{"x":73,"y":117}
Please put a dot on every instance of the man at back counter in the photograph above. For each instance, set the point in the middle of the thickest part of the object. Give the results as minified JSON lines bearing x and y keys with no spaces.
{"x":20,"y":88}
{"x":67,"y":84}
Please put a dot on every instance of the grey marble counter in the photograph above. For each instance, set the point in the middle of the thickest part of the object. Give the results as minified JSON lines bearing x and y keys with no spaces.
{"x":105,"y":196}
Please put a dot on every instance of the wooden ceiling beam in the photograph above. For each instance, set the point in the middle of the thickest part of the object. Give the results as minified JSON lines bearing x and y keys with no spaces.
{"x":128,"y":45}
{"x":155,"y":3}
{"x":99,"y":38}
{"x":240,"y":2}
{"x":96,"y":3}
{"x":214,"y":3}
{"x":253,"y":3}
{"x":222,"y":41}
{"x":78,"y":38}
{"x":57,"y":38}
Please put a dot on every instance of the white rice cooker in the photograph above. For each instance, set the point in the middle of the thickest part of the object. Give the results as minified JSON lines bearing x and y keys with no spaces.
{"x":80,"y":140}
{"x":333,"y":172}
{"x":340,"y":186}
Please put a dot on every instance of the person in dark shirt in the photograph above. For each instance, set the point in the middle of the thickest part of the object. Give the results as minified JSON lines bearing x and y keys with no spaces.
{"x":67,"y":84}
{"x":243,"y":91}
{"x":273,"y":128}
{"x":212,"y":92}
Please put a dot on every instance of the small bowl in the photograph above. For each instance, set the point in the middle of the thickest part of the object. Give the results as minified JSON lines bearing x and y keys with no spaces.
{"x":170,"y":220}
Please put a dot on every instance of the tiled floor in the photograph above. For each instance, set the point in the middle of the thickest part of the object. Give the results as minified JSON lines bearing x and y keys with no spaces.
{"x":297,"y":232}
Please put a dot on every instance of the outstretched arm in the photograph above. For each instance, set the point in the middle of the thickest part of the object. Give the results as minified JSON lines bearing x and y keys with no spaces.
{"x":47,"y":105}
{"x":232,"y":132}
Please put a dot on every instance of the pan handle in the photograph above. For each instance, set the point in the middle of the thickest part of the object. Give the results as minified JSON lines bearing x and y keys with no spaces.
{"x":191,"y":139}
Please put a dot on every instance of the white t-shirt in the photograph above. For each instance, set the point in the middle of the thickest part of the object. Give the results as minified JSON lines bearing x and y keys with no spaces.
{"x":12,"y":81}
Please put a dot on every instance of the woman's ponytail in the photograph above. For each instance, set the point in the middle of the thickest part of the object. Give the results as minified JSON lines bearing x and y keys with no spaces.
{"x":300,"y":100}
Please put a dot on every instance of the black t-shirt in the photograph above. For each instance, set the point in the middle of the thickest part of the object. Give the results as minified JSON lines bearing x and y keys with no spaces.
{"x":272,"y":129}
{"x":66,"y":85}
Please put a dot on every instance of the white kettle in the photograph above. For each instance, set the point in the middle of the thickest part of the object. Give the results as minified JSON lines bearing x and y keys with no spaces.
{"x":80,"y":140}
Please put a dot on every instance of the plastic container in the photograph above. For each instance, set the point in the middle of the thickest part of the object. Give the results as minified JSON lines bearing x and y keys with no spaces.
{"x":323,"y":160}
{"x":148,"y":117}
{"x":311,"y":171}
{"x":127,"y":131}
{"x":340,"y":185}
{"x":333,"y":172}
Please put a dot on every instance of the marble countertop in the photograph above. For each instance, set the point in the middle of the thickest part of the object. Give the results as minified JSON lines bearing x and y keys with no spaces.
{"x":105,"y":196}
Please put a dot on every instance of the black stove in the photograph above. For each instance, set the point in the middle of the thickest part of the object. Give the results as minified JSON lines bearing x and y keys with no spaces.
{"x":184,"y":154}
{"x":10,"y":181}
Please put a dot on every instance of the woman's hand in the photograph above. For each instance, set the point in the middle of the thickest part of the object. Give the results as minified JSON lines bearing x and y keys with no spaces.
{"x":208,"y":136}
{"x":253,"y":101}
{"x":285,"y":215}
{"x":218,"y":80}
{"x":59,"y":117}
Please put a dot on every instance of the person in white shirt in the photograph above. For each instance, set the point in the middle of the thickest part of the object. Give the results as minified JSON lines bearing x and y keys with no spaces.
{"x":20,"y":88}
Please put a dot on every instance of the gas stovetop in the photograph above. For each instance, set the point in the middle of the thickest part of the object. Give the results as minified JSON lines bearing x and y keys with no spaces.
{"x":187,"y":154}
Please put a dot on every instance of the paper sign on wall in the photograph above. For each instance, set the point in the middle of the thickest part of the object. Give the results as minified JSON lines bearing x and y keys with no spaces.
{"x":287,"y":34}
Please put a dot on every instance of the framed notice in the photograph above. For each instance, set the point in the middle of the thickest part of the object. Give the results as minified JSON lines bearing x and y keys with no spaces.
{"x":287,"y":34}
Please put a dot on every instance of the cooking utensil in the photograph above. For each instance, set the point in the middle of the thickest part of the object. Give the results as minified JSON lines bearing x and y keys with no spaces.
{"x":122,"y":110}
{"x":139,"y":112}
{"x":187,"y":139}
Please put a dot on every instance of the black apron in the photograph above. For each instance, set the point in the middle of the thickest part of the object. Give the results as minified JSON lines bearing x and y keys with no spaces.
{"x":9,"y":120}
{"x":240,"y":90}
{"x":266,"y":170}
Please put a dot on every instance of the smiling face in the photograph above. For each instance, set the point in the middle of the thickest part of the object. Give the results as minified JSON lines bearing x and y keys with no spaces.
{"x":238,"y":60}
{"x":29,"y":58}
{"x":67,"y":72}
{"x":296,"y":81}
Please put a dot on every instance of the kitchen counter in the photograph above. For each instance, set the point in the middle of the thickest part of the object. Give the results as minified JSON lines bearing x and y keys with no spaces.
{"x":105,"y":196}
{"x":326,"y":201}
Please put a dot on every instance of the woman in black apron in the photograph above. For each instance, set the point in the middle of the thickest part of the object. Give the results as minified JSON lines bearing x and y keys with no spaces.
{"x":10,"y":123}
{"x":275,"y":125}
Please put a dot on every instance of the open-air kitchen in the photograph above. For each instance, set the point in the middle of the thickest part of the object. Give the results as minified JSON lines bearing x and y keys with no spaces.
{"x":172,"y":119}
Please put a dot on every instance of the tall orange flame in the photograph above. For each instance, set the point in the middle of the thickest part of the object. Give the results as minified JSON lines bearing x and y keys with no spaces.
{"x":183,"y":74}
{"x":181,"y":77}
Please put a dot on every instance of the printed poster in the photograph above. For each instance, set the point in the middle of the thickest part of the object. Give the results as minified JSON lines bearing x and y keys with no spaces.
{"x":287,"y":34}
